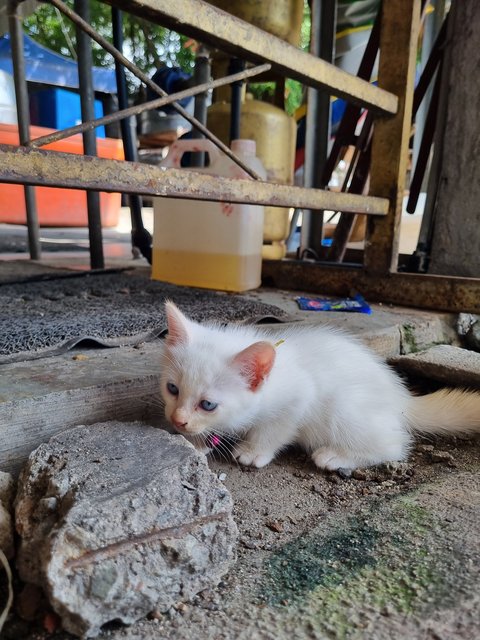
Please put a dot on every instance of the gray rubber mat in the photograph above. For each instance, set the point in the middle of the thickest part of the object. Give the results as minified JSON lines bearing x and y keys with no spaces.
{"x":49,"y":317}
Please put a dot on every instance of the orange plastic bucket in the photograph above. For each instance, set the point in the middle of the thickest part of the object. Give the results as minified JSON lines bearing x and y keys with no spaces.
{"x":59,"y":207}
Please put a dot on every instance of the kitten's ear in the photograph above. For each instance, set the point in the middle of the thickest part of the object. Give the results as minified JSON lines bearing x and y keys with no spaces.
{"x":255,"y":363}
{"x":177,"y":325}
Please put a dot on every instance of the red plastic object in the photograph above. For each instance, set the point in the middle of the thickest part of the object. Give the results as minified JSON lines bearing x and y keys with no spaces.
{"x":59,"y":207}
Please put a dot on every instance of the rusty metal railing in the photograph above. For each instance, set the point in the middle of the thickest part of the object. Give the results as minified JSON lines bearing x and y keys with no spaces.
{"x":390,"y":105}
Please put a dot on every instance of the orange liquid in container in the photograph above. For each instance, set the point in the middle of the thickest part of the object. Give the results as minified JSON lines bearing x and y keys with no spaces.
{"x":214,"y":245}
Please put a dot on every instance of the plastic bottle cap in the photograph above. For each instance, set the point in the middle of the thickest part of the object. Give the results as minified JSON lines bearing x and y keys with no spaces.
{"x":245,"y":146}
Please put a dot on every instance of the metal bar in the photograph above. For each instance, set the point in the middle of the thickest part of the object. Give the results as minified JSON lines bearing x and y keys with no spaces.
{"x":419,"y":290}
{"x":23,"y":117}
{"x":125,"y":123}
{"x":436,"y":53}
{"x":201,"y":76}
{"x":209,"y":24}
{"x":345,"y":225}
{"x":423,"y":154}
{"x":141,"y":238}
{"x":431,"y":56}
{"x":398,"y":46}
{"x":235,"y":101}
{"x":346,"y":129}
{"x":110,"y":105}
{"x":322,"y":45}
{"x":52,"y":168}
{"x":360,"y":173}
{"x":147,"y":106}
{"x":422,"y":252}
{"x":84,"y":26}
{"x":87,"y":102}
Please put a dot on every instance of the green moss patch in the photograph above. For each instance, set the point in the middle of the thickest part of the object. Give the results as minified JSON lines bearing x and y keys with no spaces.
{"x":394,"y":557}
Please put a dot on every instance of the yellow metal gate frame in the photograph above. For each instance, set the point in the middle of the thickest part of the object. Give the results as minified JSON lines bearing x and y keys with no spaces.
{"x":390,"y":104}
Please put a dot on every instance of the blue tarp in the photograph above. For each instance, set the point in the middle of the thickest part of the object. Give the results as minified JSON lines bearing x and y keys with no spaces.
{"x":47,"y":67}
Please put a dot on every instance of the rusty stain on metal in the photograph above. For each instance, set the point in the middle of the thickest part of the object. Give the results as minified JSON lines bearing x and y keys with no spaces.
{"x":147,"y":106}
{"x":446,"y":293}
{"x":211,"y":25}
{"x":84,"y":26}
{"x":49,"y":168}
{"x":21,"y":165}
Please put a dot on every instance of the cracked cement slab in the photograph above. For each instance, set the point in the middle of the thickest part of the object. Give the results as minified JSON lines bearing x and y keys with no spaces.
{"x":389,"y":554}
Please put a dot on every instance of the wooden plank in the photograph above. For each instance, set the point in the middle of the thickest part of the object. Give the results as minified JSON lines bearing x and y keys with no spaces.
{"x":398,"y":49}
{"x":49,"y":168}
{"x":456,"y":241}
{"x":209,"y":24}
{"x":43,"y":397}
{"x":416,"y":290}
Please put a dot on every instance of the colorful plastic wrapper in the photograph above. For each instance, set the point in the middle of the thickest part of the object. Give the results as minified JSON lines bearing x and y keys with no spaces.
{"x":356,"y":304}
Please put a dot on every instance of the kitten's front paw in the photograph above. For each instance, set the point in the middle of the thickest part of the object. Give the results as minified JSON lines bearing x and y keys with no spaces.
{"x":250,"y":458}
{"x":332,"y":460}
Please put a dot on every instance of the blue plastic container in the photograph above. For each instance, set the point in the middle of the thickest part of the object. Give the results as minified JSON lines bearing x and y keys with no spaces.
{"x":60,"y":108}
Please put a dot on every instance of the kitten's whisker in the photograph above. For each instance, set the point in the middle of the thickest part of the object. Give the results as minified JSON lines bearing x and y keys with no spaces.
{"x":166,"y":356}
{"x":204,"y":439}
{"x":222,"y":452}
{"x":153,"y":402}
{"x":224,"y":449}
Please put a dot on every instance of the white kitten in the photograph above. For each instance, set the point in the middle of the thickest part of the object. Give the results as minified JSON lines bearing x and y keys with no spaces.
{"x":318,"y":387}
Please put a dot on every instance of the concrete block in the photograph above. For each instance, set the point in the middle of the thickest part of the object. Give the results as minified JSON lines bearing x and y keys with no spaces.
{"x":385,"y":342}
{"x":119,"y":519}
{"x":452,"y":366}
{"x":422,"y":333}
{"x":43,"y":397}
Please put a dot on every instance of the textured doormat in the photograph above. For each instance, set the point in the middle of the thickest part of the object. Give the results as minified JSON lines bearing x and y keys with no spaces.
{"x":47,"y":318}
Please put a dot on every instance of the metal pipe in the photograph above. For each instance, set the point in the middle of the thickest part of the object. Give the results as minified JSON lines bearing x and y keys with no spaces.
{"x":345,"y":133}
{"x":23,"y":117}
{"x":354,"y":182}
{"x":201,"y":76}
{"x":421,"y":255}
{"x":82,"y":24}
{"x":55,"y":169}
{"x":423,"y":153}
{"x":147,"y":106}
{"x":87,"y":100}
{"x":318,"y":123}
{"x":141,"y":238}
{"x":236,"y":100}
{"x":433,"y":32}
{"x":206,"y":23}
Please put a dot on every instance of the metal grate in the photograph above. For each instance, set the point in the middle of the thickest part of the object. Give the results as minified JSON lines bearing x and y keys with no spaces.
{"x":46,"y":318}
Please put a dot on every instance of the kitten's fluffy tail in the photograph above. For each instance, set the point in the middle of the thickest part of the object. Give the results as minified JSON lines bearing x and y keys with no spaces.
{"x":447,"y":411}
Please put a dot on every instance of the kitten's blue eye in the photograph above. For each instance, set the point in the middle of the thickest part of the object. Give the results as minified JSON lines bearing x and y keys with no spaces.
{"x":208,"y":406}
{"x":172,"y":388}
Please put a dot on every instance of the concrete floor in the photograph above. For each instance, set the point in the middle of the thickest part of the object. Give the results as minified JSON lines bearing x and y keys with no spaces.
{"x":397,"y":591}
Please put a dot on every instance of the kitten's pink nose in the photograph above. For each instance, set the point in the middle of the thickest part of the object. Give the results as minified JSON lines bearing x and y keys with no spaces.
{"x":178,"y":424}
{"x":178,"y":420}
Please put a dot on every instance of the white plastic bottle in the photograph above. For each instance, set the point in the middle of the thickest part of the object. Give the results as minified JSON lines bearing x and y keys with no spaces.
{"x":215,"y":245}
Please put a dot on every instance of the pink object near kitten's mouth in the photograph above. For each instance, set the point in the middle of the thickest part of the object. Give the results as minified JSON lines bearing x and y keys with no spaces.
{"x":213,"y":441}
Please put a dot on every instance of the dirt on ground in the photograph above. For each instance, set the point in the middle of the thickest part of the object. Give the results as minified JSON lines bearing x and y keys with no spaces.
{"x":388,"y":553}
